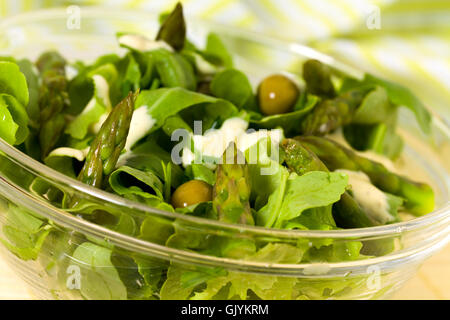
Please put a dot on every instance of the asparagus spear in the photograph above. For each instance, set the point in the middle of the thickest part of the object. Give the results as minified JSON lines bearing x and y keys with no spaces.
{"x":318,"y":79}
{"x":53,"y":98}
{"x":331,"y":114}
{"x":347,"y":212}
{"x":231,"y":192}
{"x":419,"y":196}
{"x":299,"y":159}
{"x":109,"y":143}
{"x":173,"y":30}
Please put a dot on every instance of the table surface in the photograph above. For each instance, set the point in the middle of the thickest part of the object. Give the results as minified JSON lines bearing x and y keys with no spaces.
{"x":431,"y":282}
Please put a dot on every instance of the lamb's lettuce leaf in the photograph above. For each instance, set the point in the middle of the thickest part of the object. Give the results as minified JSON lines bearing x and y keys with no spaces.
{"x":375,"y":107}
{"x":13,"y":82}
{"x":13,"y":120}
{"x":288,"y":121}
{"x":14,"y":98}
{"x":150,"y":157}
{"x":374,"y":123}
{"x":165,"y":102}
{"x":24,"y":233}
{"x":48,"y":192}
{"x":203,"y":209}
{"x":99,"y":277}
{"x":156,"y":230}
{"x":146,"y":67}
{"x":28,"y":70}
{"x":63,"y":159}
{"x":216,"y":48}
{"x":380,"y":137}
{"x":398,"y":95}
{"x":127,"y":181}
{"x":402,"y":96}
{"x":130,"y":74}
{"x":136,"y":284}
{"x":173,"y":69}
{"x":232,"y":85}
{"x":88,"y":120}
{"x":200,"y":172}
{"x":80,"y":127}
{"x":69,"y":159}
{"x":81,"y":87}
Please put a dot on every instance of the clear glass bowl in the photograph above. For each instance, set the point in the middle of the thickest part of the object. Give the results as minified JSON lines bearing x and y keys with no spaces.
{"x":61,"y":269}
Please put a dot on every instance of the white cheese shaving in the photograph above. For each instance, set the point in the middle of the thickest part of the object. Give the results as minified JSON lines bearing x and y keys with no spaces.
{"x":142,"y":43}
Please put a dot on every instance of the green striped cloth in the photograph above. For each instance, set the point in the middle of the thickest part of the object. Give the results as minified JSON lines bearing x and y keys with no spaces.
{"x":404,"y":40}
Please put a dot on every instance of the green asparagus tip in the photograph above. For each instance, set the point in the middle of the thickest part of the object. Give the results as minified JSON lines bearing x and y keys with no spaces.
{"x":318,"y":79}
{"x":173,"y":30}
{"x":231,"y":192}
{"x":109,"y":143}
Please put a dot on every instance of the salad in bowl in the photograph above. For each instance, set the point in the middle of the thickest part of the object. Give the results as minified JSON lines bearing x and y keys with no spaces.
{"x":280,"y":171}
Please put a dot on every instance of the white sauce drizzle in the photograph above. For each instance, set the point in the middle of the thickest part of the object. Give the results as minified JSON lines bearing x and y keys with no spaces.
{"x":369,"y":197}
{"x":80,"y":155}
{"x":214,"y":142}
{"x":141,"y":123}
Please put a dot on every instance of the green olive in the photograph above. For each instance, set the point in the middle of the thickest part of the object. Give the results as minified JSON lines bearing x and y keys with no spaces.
{"x":277,"y":94}
{"x":191,"y":192}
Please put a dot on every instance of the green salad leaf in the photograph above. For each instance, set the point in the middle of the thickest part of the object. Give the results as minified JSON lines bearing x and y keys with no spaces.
{"x":289,"y":121}
{"x":312,"y":190}
{"x":201,"y":172}
{"x":398,"y":95}
{"x":130,"y":74}
{"x":102,"y":79}
{"x":26,"y":67}
{"x":13,"y":120}
{"x":374,"y":125}
{"x":134,"y":280}
{"x":381,"y":138}
{"x":374,"y":108}
{"x":233,"y":285}
{"x":99,"y":278}
{"x":215,"y":47}
{"x":156,"y":229}
{"x":166,"y":102}
{"x":129,"y":181}
{"x":173,"y":69}
{"x":13,"y":82}
{"x":149,"y":157}
{"x":232,"y":85}
{"x":14,"y":98}
{"x":402,"y":96}
{"x":24,"y":233}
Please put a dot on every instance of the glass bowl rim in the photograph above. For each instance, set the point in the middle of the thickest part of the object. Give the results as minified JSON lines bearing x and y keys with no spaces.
{"x":23,"y":160}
